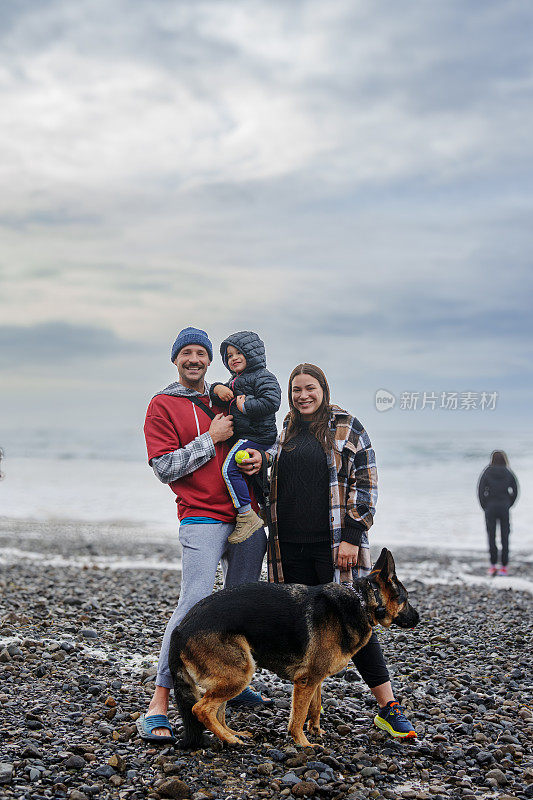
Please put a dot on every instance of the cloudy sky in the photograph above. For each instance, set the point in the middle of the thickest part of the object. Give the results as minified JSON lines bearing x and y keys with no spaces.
{"x":350,"y":179}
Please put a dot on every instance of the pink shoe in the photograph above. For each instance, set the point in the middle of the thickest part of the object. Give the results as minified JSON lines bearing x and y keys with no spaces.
{"x":492,"y":570}
{"x":503,"y":571}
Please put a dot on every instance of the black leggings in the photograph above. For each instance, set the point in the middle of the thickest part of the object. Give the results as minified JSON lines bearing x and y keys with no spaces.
{"x":492,"y":514}
{"x":311,"y":564}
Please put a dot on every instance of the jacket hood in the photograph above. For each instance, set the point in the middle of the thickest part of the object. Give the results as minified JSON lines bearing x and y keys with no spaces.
{"x":250,"y":345}
{"x":177,"y":390}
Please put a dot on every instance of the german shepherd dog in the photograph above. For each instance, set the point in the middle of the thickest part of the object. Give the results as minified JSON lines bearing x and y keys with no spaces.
{"x":301,"y":633}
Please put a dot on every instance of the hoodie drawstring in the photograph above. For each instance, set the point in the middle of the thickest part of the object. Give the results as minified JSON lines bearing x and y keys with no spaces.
{"x":196,"y":418}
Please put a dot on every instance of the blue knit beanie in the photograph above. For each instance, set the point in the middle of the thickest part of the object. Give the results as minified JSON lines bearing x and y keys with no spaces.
{"x":191,"y":336}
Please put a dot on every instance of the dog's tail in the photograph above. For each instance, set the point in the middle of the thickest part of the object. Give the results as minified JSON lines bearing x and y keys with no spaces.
{"x":186,"y":695}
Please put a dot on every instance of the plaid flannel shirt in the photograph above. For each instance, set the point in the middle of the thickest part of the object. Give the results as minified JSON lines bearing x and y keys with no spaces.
{"x":172,"y":466}
{"x":352,"y":492}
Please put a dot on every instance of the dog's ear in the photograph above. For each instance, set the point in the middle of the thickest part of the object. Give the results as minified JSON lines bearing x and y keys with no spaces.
{"x":387,"y":568}
{"x":382,"y":560}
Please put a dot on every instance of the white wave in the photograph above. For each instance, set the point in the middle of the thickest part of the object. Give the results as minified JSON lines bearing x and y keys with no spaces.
{"x":10,"y":555}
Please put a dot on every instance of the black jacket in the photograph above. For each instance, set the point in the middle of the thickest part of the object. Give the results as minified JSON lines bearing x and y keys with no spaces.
{"x":497,"y":486}
{"x":262,"y":390}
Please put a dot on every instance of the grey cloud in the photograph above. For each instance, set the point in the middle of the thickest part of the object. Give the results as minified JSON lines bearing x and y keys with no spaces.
{"x":453,"y":57}
{"x":423,"y":318}
{"x":48,"y":218}
{"x":53,"y":343}
{"x":368,"y":80}
{"x":326,"y":171}
{"x":148,"y":286}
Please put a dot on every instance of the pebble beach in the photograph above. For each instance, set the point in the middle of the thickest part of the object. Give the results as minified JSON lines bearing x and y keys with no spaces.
{"x":82,"y":612}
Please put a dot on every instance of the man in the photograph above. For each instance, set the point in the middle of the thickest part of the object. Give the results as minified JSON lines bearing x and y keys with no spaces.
{"x":186,"y":440}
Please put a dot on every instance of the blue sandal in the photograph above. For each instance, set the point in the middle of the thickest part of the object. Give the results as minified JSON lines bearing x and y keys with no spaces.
{"x":145,"y":726}
{"x":250,"y":699}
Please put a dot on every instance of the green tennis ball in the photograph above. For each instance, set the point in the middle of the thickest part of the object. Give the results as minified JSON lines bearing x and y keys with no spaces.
{"x":241,"y":456}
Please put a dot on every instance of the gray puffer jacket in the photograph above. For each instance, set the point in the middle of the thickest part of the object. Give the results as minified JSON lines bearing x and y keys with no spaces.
{"x":262,"y":390}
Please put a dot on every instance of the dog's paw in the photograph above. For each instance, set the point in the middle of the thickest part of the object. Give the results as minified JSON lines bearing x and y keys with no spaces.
{"x":315,"y":730}
{"x":216,"y":745}
{"x":234,"y":741}
{"x":302,"y":741}
{"x":195,"y":743}
{"x":190,"y":744}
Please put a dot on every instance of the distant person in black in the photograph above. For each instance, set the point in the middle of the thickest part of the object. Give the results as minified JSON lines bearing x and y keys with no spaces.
{"x":497,"y":491}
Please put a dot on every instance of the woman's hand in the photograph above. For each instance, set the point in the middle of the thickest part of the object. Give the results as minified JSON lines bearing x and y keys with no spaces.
{"x":253,"y":464}
{"x":240,"y":403}
{"x":347,"y":556}
{"x":223,"y":393}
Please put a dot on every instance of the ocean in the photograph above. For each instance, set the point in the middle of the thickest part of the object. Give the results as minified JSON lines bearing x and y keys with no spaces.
{"x":427,"y":489}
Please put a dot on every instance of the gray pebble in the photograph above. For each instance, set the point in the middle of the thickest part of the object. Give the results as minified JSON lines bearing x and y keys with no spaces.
{"x":290,"y":778}
{"x":368,"y":772}
{"x":105,"y":772}
{"x":6,"y":772}
{"x":75,"y":762}
{"x":497,"y":775}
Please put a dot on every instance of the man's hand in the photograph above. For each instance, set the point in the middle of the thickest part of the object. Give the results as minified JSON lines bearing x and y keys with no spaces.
{"x":240,"y":403}
{"x":221,"y":428}
{"x":253,"y":464}
{"x":223,"y":393}
{"x":347,"y":556}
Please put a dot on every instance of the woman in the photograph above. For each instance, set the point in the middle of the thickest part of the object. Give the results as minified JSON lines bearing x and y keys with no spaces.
{"x":323,"y":496}
{"x":497,"y":491}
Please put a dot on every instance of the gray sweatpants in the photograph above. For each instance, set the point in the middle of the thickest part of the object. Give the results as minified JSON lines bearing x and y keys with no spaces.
{"x":204,"y":546}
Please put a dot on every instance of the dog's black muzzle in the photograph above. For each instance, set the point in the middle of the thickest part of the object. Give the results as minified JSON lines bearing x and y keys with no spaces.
{"x":407,"y":618}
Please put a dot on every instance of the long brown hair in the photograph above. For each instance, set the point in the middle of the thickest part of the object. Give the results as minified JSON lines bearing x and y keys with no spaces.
{"x":499,"y":459}
{"x":320,"y":424}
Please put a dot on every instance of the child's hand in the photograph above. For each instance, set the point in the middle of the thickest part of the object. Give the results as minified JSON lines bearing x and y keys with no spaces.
{"x":221,"y":428}
{"x":223,"y":393}
{"x":240,"y":403}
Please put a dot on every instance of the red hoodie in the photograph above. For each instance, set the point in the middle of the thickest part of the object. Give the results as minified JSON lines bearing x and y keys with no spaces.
{"x":171,"y":423}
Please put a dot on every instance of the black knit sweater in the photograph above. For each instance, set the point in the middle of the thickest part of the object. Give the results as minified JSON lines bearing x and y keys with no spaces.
{"x":303,"y":490}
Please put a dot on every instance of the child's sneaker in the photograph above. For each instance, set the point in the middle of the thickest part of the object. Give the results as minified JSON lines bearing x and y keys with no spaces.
{"x":492,"y":570}
{"x":391,"y":719}
{"x":503,"y":571}
{"x":247,"y":524}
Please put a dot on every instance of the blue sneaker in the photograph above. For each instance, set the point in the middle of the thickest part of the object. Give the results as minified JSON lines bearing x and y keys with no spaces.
{"x":250,"y":699}
{"x":390,"y":718}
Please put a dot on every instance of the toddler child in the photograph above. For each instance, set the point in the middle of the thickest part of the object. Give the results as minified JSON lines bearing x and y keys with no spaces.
{"x":254,"y":396}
